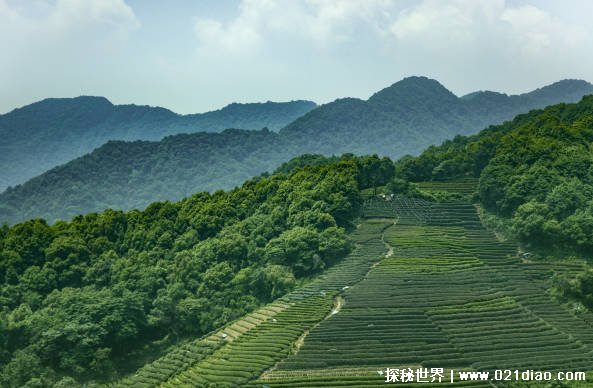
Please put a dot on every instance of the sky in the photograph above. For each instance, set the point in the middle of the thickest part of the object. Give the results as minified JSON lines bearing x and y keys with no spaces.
{"x":194,"y":56}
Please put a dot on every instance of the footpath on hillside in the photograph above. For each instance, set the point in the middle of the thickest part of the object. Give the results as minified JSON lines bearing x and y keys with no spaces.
{"x":435,"y":290}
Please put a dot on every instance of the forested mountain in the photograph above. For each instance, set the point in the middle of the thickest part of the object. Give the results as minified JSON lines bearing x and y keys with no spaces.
{"x":127,"y":175}
{"x":87,"y":299}
{"x":95,"y":298}
{"x":535,"y":171}
{"x":414,"y":113}
{"x":403,"y":118}
{"x":45,"y":134}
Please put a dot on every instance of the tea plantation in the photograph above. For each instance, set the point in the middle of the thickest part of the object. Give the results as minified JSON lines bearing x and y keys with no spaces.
{"x":466,"y":186}
{"x":427,"y":286}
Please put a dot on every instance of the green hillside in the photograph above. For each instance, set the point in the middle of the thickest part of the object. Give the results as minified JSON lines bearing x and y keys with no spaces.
{"x":472,"y":257}
{"x":255,"y":343}
{"x":57,"y":130}
{"x":426,"y":287}
{"x":97,"y":297}
{"x":401,"y":119}
{"x":433,"y":287}
{"x":535,"y":173}
{"x":318,"y":276}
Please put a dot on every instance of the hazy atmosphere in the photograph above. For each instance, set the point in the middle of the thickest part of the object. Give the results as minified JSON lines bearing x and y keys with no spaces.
{"x":296,"y":193}
{"x":196,"y":56}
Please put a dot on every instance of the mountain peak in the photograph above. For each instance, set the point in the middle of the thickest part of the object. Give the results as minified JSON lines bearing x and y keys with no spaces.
{"x":573,"y":82}
{"x":412,"y":89}
{"x":570,"y":90}
{"x":564,"y":86}
{"x":65,"y":104}
{"x":74,"y":101}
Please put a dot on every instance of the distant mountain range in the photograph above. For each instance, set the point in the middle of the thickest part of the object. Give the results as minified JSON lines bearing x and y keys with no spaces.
{"x":402,"y":119}
{"x":42,"y":135}
{"x":414,"y":113}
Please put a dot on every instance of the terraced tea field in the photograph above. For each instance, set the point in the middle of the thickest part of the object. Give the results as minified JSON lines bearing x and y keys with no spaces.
{"x":433,"y":290}
{"x":243,"y":350}
{"x":464,"y":186}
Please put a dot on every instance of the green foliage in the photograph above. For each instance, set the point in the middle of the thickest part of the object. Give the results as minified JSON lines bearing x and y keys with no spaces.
{"x":239,"y":352}
{"x":306,"y":250}
{"x":374,"y":171}
{"x":398,"y":186}
{"x":78,"y":298}
{"x":304,"y":160}
{"x":446,"y":285}
{"x":403,"y":118}
{"x":536,"y":170}
{"x":579,"y":287}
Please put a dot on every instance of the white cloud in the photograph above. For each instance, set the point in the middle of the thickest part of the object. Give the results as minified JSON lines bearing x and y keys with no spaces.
{"x":240,"y":37}
{"x":532,"y":26}
{"x":52,"y":47}
{"x":320,"y":23}
{"x":67,"y":14}
{"x":458,"y":22}
{"x":111,"y":13}
{"x":489,"y":41}
{"x":67,"y":24}
{"x":540,"y":33}
{"x":443,"y":27}
{"x":454,"y":19}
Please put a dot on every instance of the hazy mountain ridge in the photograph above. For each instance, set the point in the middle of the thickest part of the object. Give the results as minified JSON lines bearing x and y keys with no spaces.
{"x":53,"y":131}
{"x":415,"y":112}
{"x":133,"y":172}
{"x":401,"y":119}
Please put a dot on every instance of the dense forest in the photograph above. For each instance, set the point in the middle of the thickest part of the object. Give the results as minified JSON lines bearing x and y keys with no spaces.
{"x":124,"y":175}
{"x":403,"y":118}
{"x":535,"y":171}
{"x":57,"y":130}
{"x":80,"y":300}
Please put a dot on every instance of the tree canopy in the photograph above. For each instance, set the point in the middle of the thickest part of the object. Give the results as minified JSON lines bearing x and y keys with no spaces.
{"x":77,"y":298}
{"x":536,"y":170}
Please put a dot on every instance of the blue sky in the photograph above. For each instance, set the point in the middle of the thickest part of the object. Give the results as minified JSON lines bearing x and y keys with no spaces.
{"x":194,"y":56}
